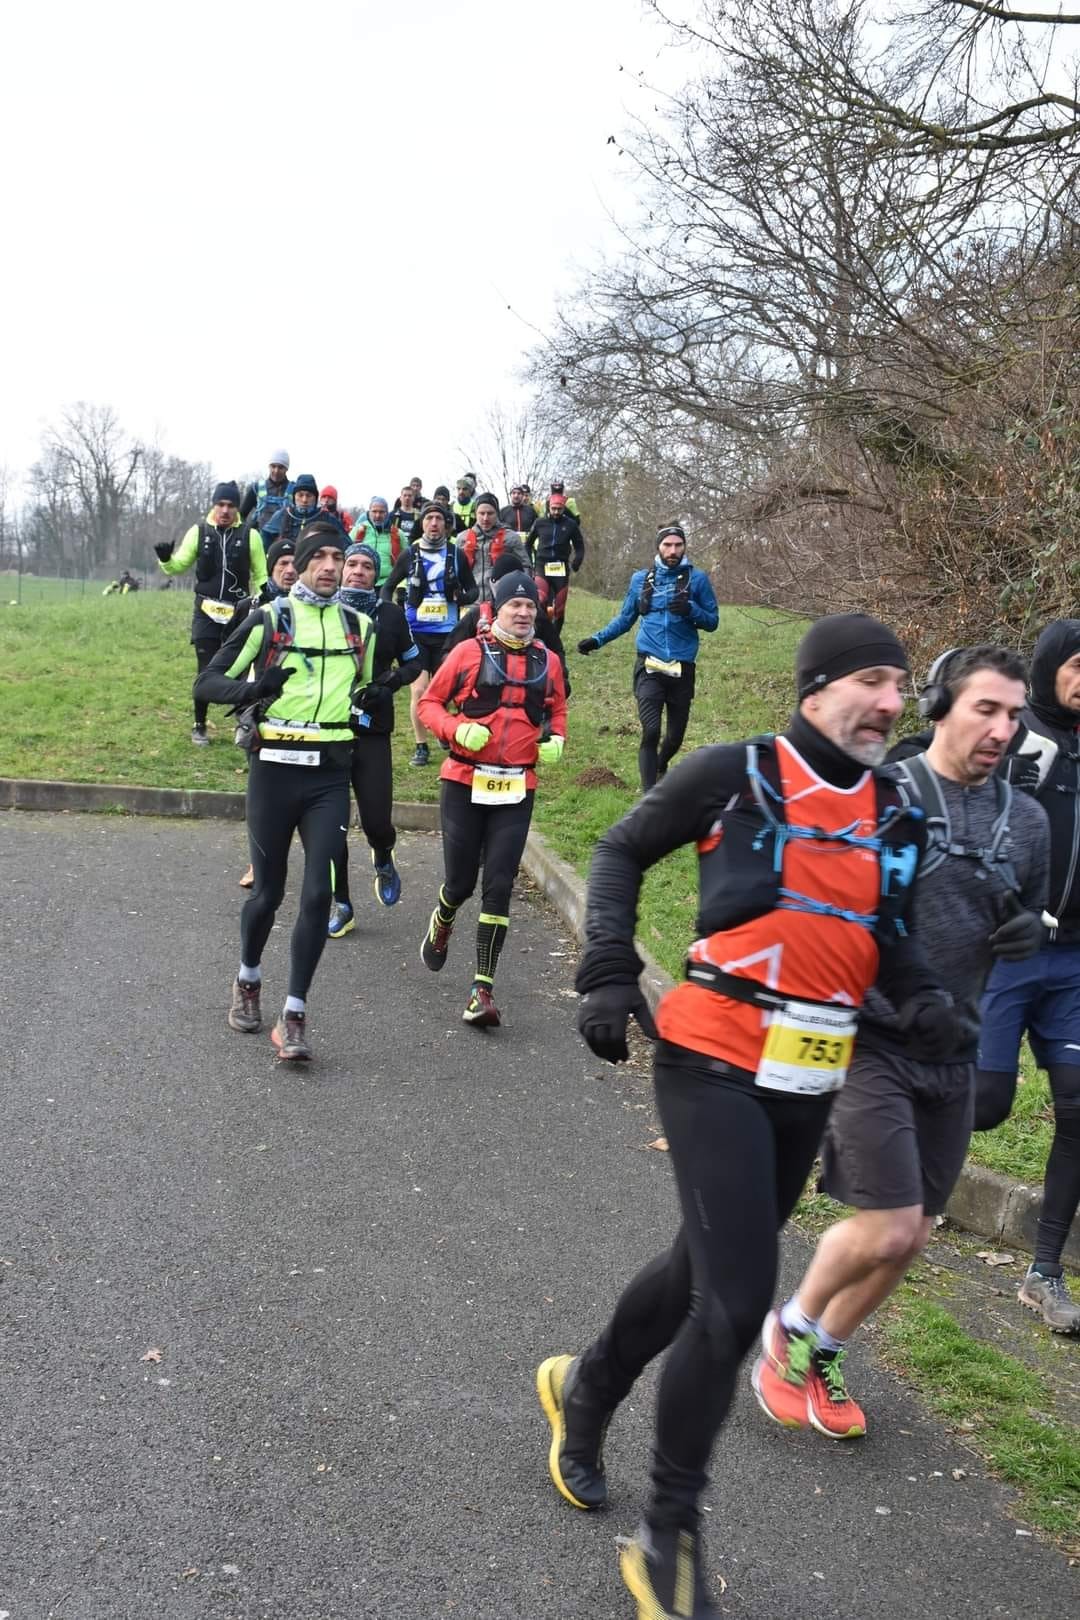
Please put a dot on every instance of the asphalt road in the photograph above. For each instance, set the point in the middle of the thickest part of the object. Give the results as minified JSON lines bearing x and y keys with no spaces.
{"x":269,"y":1337}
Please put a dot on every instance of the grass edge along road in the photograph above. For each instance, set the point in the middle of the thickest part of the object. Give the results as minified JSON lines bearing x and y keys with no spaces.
{"x":101,"y":686}
{"x":102,"y":689}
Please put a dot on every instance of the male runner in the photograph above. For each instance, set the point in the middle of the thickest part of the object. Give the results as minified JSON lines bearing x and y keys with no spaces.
{"x":899,"y":1130}
{"x":806,"y":853}
{"x":309,"y":663}
{"x":557,"y":549}
{"x":674,"y":601}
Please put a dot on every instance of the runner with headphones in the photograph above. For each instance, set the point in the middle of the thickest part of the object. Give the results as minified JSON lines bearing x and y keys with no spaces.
{"x":899,"y":1129}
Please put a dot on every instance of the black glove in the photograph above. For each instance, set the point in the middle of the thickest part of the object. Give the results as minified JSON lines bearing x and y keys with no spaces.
{"x":575,"y":565}
{"x":587,"y":646}
{"x":375,"y":699}
{"x":164,"y":550}
{"x":680,"y":604}
{"x":390,"y":679}
{"x":604,"y":1014}
{"x":268,"y":685}
{"x":1022,"y":770}
{"x":1019,"y":937}
{"x":937,"y":1026}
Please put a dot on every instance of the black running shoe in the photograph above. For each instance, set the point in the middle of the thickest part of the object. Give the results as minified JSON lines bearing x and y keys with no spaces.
{"x":578,"y":1426}
{"x":662,"y":1571}
{"x":436,"y":943}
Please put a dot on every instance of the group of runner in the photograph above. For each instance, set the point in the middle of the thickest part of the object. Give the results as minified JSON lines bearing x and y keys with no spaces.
{"x":926,"y":902}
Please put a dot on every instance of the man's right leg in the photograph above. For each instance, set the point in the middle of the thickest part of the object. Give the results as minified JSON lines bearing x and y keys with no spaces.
{"x":271,"y":819}
{"x":205,"y":648}
{"x":416,"y":691}
{"x":649,"y":692}
{"x":373,"y":784}
{"x":463,"y":826}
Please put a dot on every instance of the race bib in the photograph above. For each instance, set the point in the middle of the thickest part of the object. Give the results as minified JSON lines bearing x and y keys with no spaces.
{"x":555,"y":570}
{"x":807,"y":1049}
{"x":220,"y":612}
{"x":288,"y":731}
{"x":289,"y":756}
{"x":498,"y":784}
{"x":661,"y":666}
{"x":431,"y":612}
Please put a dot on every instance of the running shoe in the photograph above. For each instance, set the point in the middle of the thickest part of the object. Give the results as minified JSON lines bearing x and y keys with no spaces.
{"x":661,"y":1569}
{"x":578,"y":1425}
{"x":421,"y":755}
{"x":1050,"y":1297}
{"x":289,"y":1035}
{"x":436,"y":942}
{"x":779,"y":1375}
{"x":829,"y":1407}
{"x":480,"y":1010}
{"x":342,"y":920}
{"x":387,"y":881}
{"x":199,"y":737}
{"x":245,"y":1013}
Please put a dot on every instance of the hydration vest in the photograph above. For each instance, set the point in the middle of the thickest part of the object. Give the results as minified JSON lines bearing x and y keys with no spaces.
{"x":682,"y":583}
{"x":418,"y":580}
{"x":222,"y":562}
{"x":493,"y":685}
{"x":921,"y":783}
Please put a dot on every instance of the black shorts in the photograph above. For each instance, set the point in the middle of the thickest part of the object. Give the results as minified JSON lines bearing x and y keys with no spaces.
{"x":898,"y":1132}
{"x":432,"y":649}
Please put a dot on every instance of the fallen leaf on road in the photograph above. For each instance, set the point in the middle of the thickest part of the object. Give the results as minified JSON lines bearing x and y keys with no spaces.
{"x":661,"y":1144}
{"x":959,"y":1473}
{"x":992,"y":1258}
{"x":153,"y":1354}
{"x":188,"y":1574}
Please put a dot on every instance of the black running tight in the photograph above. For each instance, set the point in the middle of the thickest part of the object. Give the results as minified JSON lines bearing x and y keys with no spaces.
{"x":373,"y":785}
{"x":660,"y":697}
{"x":741,"y":1156}
{"x":475,"y":834}
{"x":204,"y":651}
{"x":994,"y":1092}
{"x":283,"y":799}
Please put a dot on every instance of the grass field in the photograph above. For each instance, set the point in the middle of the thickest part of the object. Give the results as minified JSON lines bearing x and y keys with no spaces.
{"x":32,"y":589}
{"x":101,"y":687}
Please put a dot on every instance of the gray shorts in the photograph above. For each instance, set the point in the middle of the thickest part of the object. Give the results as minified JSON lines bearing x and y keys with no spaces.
{"x":898,"y":1132}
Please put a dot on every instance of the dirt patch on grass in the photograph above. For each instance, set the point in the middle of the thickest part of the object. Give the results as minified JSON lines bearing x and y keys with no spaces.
{"x":598,"y":776}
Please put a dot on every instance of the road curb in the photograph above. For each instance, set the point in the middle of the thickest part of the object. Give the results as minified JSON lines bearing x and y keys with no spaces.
{"x":984,"y":1201}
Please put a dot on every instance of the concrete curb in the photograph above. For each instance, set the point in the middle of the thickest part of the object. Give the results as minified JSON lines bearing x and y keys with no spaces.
{"x":991,"y":1205}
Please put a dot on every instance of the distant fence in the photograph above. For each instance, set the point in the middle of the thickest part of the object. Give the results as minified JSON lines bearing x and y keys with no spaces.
{"x":28,"y":587}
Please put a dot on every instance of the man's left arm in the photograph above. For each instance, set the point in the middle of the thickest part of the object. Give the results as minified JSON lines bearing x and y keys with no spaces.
{"x":704,"y":609}
{"x":257,"y":553}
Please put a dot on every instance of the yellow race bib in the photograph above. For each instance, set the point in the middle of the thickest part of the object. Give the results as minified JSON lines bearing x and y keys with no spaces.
{"x":807,"y":1048}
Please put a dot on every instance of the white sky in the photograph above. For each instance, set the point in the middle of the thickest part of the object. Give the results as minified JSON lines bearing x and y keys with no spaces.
{"x":209,"y":207}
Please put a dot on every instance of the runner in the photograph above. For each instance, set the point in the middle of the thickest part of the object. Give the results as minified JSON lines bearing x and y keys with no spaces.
{"x":397,"y":662}
{"x":265,"y":501}
{"x":557,"y":549}
{"x":520,"y":514}
{"x":464,"y":508}
{"x":1041,"y":997}
{"x":498,"y":702}
{"x":486,"y":540}
{"x":328,"y":502}
{"x":281,"y":564}
{"x":302,"y":508}
{"x":440,"y":583}
{"x":478,"y":619}
{"x":673,"y":601}
{"x":805,"y":857}
{"x":230,"y":563}
{"x":377,"y":528}
{"x":310,"y":655}
{"x":899,"y":1130}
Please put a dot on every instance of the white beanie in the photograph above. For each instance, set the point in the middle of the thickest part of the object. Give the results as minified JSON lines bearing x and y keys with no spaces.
{"x":279,"y":458}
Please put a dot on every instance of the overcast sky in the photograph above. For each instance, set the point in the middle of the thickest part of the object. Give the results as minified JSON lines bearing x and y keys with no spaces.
{"x":251,"y":225}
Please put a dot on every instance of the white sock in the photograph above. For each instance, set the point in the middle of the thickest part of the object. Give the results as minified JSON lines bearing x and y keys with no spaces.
{"x":249,"y":975}
{"x":825,"y":1341}
{"x":795,"y":1319}
{"x":294,"y":1004}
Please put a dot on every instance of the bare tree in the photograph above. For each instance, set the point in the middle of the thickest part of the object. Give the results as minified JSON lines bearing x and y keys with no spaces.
{"x":511,"y":446}
{"x":95,"y":462}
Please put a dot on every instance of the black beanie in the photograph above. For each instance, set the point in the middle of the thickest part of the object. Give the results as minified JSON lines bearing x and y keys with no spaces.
{"x":307,"y":481}
{"x":511,"y":585}
{"x":319,"y":532}
{"x":839,"y":645}
{"x":435,"y":506}
{"x":279,"y":549}
{"x":226,"y":492}
{"x":441,"y":492}
{"x":505,"y":564}
{"x":487,"y":499}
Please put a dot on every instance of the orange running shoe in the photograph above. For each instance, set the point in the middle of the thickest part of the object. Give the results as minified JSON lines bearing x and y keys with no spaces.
{"x":780,"y":1373}
{"x":829,"y":1406}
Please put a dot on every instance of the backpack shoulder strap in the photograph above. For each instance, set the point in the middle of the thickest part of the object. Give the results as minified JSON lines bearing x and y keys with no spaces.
{"x":924,"y":790}
{"x":357,"y":640}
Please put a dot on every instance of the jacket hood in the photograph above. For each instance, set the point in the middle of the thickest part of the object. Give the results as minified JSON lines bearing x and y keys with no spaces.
{"x":237,"y":522}
{"x":1058,"y":643}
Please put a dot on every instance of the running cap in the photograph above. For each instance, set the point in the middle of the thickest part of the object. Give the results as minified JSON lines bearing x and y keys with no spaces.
{"x":319,"y":532}
{"x":306,"y":481}
{"x":840,"y":644}
{"x":362,"y":550}
{"x":229,"y":491}
{"x":279,"y":458}
{"x":279,"y":549}
{"x":511,"y":585}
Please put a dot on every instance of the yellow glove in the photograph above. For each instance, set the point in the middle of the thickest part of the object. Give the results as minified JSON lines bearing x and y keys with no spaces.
{"x":550,"y":752}
{"x":472,"y":737}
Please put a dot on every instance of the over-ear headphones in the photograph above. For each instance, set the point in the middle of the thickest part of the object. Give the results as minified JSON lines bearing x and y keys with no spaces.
{"x":935,"y":699}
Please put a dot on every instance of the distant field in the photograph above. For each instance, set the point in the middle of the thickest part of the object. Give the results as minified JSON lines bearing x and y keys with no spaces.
{"x":33,"y":588}
{"x":101,"y":690}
